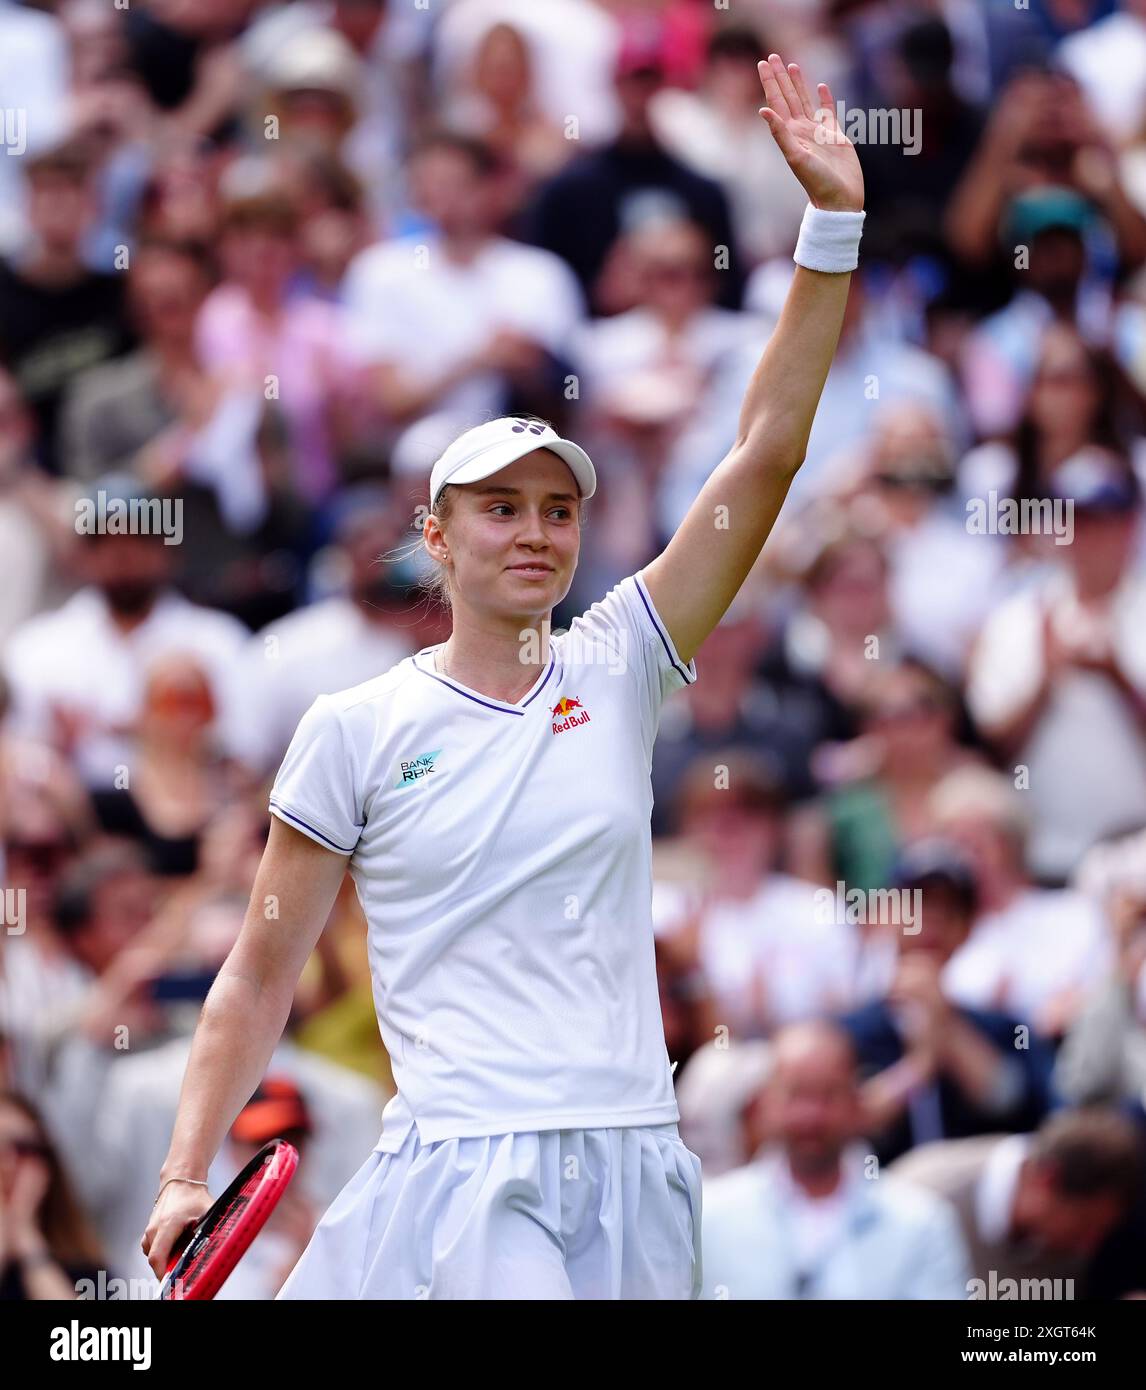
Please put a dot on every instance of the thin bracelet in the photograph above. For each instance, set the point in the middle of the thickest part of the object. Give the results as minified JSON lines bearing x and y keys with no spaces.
{"x":196,"y":1181}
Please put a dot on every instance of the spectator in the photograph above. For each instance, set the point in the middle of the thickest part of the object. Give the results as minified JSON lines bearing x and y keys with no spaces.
{"x":883,"y":780}
{"x":265,"y":341}
{"x":934,"y":1069}
{"x":461,"y":321}
{"x":716,"y":131}
{"x":1103,"y":1056}
{"x":1032,"y":952}
{"x":809,"y":1218}
{"x":126,"y":416}
{"x":57,"y":316}
{"x":1035,"y":1207}
{"x":1057,"y":681}
{"x":46,"y":1247}
{"x":336,"y":642}
{"x":758,"y":935}
{"x":78,"y":673}
{"x":581,"y":213}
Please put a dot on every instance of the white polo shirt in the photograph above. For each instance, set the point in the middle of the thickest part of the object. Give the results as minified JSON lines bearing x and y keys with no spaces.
{"x":503,"y":858}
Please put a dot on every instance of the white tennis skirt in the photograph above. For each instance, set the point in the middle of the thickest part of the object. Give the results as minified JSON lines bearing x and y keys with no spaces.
{"x":570,"y":1213}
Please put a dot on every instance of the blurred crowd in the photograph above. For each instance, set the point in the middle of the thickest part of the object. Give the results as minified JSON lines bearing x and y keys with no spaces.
{"x":260,"y":263}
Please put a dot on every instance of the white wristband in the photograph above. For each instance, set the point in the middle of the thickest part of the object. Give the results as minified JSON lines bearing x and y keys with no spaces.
{"x":829,"y":240}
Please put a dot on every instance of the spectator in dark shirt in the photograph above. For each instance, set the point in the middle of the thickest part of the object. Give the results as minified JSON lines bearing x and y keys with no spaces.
{"x":581,"y":213}
{"x":57,"y":317}
{"x":936,"y":1070}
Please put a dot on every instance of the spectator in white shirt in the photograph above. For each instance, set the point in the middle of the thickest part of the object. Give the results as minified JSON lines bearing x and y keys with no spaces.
{"x":78,"y":673}
{"x":456,"y":320}
{"x":813,"y":1217}
{"x":1058,"y":678}
{"x":1032,"y":952}
{"x":761,"y":938}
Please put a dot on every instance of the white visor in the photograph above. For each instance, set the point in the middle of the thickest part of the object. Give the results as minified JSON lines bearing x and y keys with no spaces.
{"x":490,"y":447}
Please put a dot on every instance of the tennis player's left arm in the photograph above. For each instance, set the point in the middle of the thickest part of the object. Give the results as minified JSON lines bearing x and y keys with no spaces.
{"x":696,"y":577}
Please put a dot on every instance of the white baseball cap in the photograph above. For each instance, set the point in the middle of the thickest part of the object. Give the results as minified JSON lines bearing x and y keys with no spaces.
{"x":490,"y":447}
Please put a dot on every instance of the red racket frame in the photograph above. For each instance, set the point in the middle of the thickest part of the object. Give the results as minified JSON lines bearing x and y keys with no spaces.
{"x":273,"y":1166}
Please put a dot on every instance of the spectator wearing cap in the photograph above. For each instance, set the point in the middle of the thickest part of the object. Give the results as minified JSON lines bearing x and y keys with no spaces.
{"x":459,"y":322}
{"x":58,"y":316}
{"x":1033,"y":952}
{"x":1054,"y":234}
{"x":1058,"y":678}
{"x":606,"y":193}
{"x":277,"y":1110}
{"x":760,"y":938}
{"x":1035,"y":1206}
{"x":933,"y":1068}
{"x":807,"y":1218}
{"x":77,"y":673}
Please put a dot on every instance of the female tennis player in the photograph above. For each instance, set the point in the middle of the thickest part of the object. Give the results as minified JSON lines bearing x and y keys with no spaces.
{"x":492,"y":796}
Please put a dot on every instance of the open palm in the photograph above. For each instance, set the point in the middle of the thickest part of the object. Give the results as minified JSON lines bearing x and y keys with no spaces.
{"x":810,"y":139}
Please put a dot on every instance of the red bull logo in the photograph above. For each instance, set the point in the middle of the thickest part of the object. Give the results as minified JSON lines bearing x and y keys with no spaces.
{"x":565,"y":714}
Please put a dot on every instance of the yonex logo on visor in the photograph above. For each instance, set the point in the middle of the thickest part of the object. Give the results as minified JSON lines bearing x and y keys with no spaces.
{"x":488,"y":448}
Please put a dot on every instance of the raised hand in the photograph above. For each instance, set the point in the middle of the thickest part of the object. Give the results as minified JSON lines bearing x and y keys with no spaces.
{"x":810,"y":139}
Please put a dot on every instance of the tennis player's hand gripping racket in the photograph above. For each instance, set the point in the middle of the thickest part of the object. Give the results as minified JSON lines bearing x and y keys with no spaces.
{"x":225,"y":1232}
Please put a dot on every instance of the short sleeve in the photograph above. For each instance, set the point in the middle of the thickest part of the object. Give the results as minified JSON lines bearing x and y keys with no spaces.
{"x":626,"y":621}
{"x":317,"y":789}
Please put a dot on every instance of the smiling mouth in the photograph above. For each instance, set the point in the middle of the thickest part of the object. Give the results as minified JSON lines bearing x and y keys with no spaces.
{"x":530,"y":571}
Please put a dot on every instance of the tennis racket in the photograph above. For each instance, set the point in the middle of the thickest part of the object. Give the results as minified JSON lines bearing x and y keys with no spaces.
{"x":224,"y":1233}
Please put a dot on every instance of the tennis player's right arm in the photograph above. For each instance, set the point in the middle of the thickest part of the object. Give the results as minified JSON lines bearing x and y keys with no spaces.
{"x":242,"y":1020}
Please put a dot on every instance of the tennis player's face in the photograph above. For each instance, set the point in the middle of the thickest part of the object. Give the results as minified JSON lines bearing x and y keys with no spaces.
{"x":514,"y":538}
